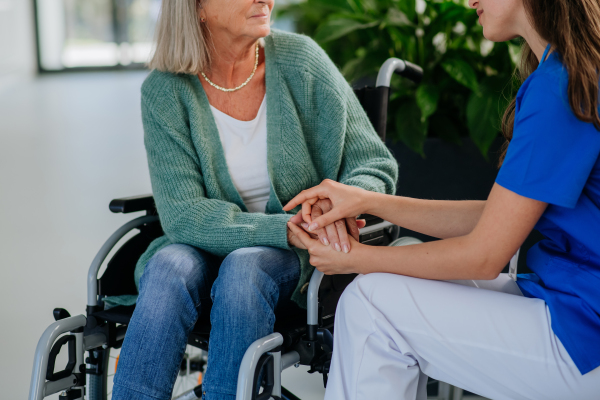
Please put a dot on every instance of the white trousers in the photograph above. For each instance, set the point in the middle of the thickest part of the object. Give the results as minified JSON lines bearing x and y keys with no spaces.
{"x":393,"y":331}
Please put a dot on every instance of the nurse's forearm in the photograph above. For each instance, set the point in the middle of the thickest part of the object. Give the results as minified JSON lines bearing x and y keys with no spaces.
{"x":438,"y":218}
{"x":454,"y":258}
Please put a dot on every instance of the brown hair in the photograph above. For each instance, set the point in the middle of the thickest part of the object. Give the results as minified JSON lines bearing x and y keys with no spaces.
{"x":573,"y":29}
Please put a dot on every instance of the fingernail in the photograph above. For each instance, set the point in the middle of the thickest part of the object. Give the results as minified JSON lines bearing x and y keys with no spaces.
{"x":325,"y":241}
{"x":304,"y":225}
{"x":313,"y":226}
{"x":346,"y":248}
{"x":337,"y":247}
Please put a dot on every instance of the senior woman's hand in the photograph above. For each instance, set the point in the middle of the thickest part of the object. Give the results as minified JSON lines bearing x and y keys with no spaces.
{"x":335,"y":234}
{"x":325,"y":258}
{"x":348,"y":202}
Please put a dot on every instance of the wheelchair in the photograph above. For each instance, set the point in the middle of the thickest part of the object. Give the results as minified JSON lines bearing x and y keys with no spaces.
{"x":304,"y":338}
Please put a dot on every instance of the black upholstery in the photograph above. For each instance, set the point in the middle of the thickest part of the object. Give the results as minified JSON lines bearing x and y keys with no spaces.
{"x":375,"y":103}
{"x":118,"y":277}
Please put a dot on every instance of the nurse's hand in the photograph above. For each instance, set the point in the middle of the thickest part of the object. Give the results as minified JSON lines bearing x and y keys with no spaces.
{"x":347,"y":201}
{"x":325,"y":258}
{"x":335,"y":234}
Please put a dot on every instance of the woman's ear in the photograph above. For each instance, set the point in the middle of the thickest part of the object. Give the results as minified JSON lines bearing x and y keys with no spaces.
{"x":200,"y":11}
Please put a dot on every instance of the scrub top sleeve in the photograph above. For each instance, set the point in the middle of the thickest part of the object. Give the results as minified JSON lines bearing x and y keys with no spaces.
{"x":552,"y":153}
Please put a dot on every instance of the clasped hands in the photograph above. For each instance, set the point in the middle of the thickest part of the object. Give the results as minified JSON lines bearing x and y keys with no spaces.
{"x":327,"y":226}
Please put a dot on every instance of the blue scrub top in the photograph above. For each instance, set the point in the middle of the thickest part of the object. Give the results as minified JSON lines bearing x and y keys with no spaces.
{"x":554,"y":157}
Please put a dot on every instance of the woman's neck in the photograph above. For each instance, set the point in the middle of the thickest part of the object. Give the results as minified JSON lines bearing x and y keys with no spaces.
{"x":232,"y":61}
{"x":535,"y":41}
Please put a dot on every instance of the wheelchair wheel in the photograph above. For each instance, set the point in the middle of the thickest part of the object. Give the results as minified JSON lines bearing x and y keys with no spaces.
{"x":99,"y":387}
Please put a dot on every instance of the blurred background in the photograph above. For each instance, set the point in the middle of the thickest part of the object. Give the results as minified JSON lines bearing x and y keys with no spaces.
{"x":71,"y":137}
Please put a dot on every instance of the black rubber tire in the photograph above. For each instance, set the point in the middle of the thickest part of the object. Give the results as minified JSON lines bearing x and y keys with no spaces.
{"x":96,"y":384}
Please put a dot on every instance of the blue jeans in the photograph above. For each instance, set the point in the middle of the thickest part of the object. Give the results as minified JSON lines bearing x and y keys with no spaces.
{"x":179,"y":282}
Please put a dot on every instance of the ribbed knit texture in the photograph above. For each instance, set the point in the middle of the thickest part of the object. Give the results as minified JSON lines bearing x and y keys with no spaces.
{"x":316,"y":129}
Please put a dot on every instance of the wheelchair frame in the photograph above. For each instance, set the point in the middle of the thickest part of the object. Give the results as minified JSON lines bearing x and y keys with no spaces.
{"x":83,"y":333}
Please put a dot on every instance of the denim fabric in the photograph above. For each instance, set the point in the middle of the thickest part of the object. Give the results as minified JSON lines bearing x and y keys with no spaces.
{"x":178,"y":284}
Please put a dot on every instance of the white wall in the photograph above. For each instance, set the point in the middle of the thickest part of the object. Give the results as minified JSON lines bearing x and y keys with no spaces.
{"x":17,"y":41}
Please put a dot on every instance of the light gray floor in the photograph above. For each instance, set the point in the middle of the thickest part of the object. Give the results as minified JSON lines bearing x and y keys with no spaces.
{"x":69,"y":143}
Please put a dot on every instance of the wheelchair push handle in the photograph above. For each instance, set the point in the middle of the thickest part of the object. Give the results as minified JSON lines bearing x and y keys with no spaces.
{"x":400,"y":67}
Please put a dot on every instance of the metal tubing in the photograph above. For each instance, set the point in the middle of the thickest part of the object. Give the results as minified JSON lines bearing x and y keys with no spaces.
{"x":93,"y":341}
{"x":313,"y":298}
{"x":444,"y":391}
{"x":391,"y":65}
{"x":457,"y":394}
{"x":42,"y":351}
{"x":277,"y":374}
{"x":189,"y":395}
{"x":250,"y":360}
{"x":58,"y":386}
{"x":288,"y":359}
{"x":92,"y":280}
{"x":375,"y":228}
{"x":512,"y":267}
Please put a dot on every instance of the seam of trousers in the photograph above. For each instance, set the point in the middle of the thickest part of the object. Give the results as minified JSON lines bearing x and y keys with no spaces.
{"x":181,"y":353}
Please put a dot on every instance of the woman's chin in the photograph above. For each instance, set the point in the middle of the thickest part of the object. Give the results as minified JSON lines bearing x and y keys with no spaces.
{"x":259,"y":29}
{"x":494,"y":36}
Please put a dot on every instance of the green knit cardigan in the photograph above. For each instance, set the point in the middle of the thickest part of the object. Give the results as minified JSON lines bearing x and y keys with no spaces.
{"x":316,"y":129}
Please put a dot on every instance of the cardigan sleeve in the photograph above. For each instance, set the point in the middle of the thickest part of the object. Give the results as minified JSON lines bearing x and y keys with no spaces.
{"x":366,"y":161}
{"x":187,"y":216}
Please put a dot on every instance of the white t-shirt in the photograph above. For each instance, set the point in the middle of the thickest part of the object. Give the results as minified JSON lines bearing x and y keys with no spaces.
{"x":245,"y":146}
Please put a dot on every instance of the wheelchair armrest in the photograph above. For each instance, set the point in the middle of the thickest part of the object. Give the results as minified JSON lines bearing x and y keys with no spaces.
{"x":132,"y":204}
{"x":312,"y":306}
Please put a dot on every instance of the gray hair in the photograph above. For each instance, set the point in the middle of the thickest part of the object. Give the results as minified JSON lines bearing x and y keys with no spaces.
{"x":181,"y":40}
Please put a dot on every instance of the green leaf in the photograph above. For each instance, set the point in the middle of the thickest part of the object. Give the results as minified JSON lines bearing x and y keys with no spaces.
{"x":369,"y":5}
{"x":396,"y":17}
{"x":409,"y":127}
{"x":427,"y":100}
{"x":461,"y":72}
{"x":408,"y":8}
{"x":484,"y":111}
{"x":336,"y":27}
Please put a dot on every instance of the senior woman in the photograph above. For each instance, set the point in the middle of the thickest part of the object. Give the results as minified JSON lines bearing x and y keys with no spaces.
{"x":233,"y":130}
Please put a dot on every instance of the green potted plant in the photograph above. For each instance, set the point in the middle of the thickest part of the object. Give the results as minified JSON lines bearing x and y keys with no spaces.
{"x":467,"y":79}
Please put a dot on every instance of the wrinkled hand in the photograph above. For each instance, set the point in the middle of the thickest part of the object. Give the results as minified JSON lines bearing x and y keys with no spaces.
{"x":292,"y":238}
{"x":325,"y":258}
{"x":347,"y":201}
{"x":335,"y":234}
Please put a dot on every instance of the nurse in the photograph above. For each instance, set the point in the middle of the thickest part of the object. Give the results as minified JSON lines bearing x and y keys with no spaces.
{"x":539,"y":338}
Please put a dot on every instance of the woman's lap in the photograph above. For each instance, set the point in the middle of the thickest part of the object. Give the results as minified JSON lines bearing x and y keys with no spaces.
{"x":495,"y":344}
{"x":179,"y":281}
{"x":252,"y":283}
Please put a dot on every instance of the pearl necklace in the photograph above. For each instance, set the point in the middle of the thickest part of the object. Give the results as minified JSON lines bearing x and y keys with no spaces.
{"x":239,"y":87}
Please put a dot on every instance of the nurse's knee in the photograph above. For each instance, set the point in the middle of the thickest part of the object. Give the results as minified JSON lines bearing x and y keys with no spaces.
{"x":368,"y":289}
{"x":352,"y":300}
